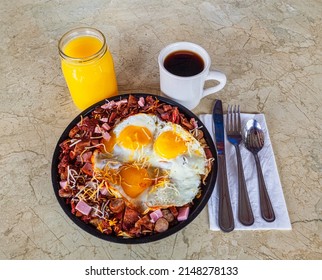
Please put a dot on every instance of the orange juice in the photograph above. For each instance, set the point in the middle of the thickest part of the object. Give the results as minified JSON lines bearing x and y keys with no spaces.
{"x":87,"y":66}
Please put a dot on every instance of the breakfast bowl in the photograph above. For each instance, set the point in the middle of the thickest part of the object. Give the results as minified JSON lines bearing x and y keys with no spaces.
{"x":134,"y":168}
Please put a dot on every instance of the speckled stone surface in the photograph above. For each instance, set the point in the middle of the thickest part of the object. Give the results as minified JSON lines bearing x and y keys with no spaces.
{"x":271,"y":53}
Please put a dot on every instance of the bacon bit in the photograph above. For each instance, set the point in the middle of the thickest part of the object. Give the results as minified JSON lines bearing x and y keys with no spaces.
{"x":125,"y":112}
{"x":208,"y":153}
{"x":194,"y":122}
{"x":86,"y":218}
{"x":149,"y":99}
{"x":72,"y":205}
{"x":117,"y":205}
{"x":167,"y":107}
{"x":65,"y":193}
{"x":174,"y":211}
{"x":132,"y":101}
{"x":198,"y":134}
{"x":175,"y":115}
{"x":108,"y":105}
{"x":95,"y":142}
{"x":145,"y":222}
{"x":80,"y":124}
{"x":73,"y":131}
{"x":83,"y":207}
{"x":130,"y":217}
{"x":119,"y":103}
{"x":65,"y":145}
{"x":112,"y":117}
{"x":185,"y":123}
{"x":165,"y":116}
{"x":72,"y":155}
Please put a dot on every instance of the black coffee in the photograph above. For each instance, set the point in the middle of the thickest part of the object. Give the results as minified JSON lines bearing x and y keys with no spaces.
{"x":184,"y":63}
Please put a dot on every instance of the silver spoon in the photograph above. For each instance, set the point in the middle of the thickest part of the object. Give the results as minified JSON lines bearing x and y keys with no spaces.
{"x":254,"y":142}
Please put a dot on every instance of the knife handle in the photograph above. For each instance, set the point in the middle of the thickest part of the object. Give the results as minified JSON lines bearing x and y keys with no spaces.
{"x":225,"y":213}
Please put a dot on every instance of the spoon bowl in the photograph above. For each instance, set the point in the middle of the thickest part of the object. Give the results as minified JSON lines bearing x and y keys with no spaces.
{"x":254,"y":142}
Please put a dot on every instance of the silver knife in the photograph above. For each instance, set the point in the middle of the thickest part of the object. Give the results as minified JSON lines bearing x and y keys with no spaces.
{"x":225,"y":214}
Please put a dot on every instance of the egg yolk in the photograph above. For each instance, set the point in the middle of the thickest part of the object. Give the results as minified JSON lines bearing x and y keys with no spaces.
{"x":134,"y":180}
{"x":133,"y":137}
{"x":169,"y":145}
{"x":109,"y":144}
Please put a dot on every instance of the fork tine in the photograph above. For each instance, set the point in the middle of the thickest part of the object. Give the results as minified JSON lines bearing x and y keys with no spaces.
{"x":235,"y":119}
{"x":239,"y":122}
{"x":231,"y":126}
{"x":227,"y":119}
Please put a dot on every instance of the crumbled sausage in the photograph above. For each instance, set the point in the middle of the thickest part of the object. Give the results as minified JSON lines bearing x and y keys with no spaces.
{"x":168,"y":215}
{"x":117,"y":205}
{"x":161,"y":225}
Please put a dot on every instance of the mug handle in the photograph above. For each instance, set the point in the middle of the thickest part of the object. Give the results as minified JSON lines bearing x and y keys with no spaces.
{"x":217,"y":76}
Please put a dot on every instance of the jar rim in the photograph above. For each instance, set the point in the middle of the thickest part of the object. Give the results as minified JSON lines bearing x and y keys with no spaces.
{"x":80,"y":32}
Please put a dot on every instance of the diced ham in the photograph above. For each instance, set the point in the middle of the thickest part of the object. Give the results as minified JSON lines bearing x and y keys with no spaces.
{"x":106,"y":127}
{"x":183,"y":213}
{"x":87,"y":156}
{"x":97,"y":130}
{"x":83,"y":207}
{"x":155,"y":215}
{"x":104,"y":120}
{"x":103,"y":191}
{"x":141,"y":102}
{"x":88,"y":169}
{"x":106,"y":136}
{"x":63,"y":184}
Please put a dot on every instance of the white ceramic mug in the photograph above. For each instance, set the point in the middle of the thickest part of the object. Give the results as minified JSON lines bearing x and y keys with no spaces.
{"x":188,"y":91}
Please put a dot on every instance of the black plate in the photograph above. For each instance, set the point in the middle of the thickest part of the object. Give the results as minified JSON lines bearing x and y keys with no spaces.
{"x":199,"y":203}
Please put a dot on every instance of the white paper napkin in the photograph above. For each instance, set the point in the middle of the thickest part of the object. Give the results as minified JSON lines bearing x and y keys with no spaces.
{"x":271,"y":176}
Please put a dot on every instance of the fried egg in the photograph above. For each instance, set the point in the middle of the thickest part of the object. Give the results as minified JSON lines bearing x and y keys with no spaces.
{"x":132,"y":137}
{"x":151,"y":163}
{"x":175,"y":145}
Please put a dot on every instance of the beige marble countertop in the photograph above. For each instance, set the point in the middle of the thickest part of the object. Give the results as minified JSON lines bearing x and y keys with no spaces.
{"x":271,"y":53}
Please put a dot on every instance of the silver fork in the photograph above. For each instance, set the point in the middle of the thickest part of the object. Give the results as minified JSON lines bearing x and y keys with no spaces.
{"x":234,"y":136}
